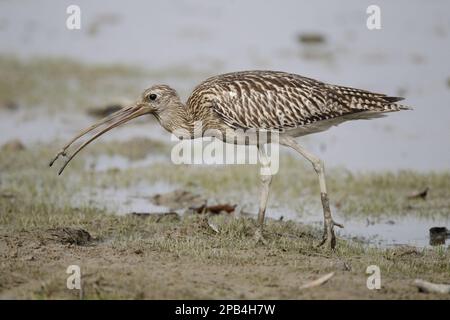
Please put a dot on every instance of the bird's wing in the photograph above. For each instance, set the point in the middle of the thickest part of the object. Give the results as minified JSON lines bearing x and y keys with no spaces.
{"x":281,"y":101}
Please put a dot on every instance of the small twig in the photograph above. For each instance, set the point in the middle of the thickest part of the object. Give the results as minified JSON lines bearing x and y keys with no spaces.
{"x":318,"y":282}
{"x":213,"y":227}
{"x":428,"y":287}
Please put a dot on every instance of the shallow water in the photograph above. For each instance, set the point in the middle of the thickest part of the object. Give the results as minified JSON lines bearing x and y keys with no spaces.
{"x":123,"y":201}
{"x":109,"y":162}
{"x":384,"y":232}
{"x":408,"y":230}
{"x":39,"y":126}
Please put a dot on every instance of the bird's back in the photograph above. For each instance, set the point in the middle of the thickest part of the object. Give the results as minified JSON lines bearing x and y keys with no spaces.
{"x":280,"y":101}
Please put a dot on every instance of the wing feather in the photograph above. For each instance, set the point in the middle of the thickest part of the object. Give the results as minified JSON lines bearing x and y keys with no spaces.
{"x":281,"y":101}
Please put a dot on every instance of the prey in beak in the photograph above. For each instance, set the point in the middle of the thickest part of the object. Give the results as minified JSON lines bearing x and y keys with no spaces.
{"x":112,"y":121}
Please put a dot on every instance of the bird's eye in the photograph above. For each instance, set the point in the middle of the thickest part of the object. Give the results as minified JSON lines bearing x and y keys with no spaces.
{"x":152,"y":97}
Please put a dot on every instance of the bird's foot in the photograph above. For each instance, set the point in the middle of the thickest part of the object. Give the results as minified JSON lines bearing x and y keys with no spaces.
{"x":329,"y":238}
{"x":259,"y":237}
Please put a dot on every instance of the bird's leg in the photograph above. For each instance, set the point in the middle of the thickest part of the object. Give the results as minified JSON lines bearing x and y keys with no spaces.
{"x":266,"y":179}
{"x":328,"y":234}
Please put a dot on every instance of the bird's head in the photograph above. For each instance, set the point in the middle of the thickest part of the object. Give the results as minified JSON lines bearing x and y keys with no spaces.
{"x":160,"y":100}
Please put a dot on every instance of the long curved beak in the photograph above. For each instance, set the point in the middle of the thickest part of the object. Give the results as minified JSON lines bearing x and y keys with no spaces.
{"x":114,"y":120}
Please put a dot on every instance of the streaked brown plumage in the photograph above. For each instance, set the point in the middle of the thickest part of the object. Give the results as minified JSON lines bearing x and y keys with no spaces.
{"x":281,"y":103}
{"x":256,"y":99}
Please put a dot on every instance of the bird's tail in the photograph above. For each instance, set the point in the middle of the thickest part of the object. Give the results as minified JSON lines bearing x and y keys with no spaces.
{"x":393,"y":106}
{"x":396,"y":107}
{"x":362,"y":100}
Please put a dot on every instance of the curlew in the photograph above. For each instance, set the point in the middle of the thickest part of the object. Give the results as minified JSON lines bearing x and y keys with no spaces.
{"x":284,"y":105}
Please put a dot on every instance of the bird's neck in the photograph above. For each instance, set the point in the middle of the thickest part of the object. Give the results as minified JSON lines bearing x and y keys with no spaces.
{"x":177,"y":120}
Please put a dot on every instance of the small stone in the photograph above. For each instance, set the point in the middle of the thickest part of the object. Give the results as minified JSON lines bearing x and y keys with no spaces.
{"x":311,"y":38}
{"x":438,"y":235}
{"x":29,"y":258}
{"x":9,"y":105}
